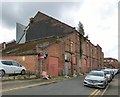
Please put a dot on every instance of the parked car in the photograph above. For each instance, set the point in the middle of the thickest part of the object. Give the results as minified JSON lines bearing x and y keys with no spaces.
{"x":116,"y":71}
{"x":108,"y":74}
{"x":11,"y":67}
{"x":110,"y":71}
{"x":96,"y":79}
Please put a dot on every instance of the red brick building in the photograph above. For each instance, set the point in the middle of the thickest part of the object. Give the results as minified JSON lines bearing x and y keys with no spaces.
{"x":110,"y":62}
{"x":62,"y":44}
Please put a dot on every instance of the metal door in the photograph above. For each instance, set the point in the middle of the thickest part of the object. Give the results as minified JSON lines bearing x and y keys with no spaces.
{"x":53,"y":66}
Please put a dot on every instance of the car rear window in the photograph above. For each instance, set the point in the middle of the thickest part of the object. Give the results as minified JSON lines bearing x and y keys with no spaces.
{"x":106,"y":72}
{"x":96,"y":74}
{"x":6,"y":62}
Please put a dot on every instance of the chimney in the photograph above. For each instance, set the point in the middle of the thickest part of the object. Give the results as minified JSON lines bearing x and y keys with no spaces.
{"x":31,"y":20}
{"x":4,"y":45}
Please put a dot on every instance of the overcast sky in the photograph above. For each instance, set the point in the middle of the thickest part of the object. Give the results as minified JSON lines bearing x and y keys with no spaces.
{"x":99,"y":18}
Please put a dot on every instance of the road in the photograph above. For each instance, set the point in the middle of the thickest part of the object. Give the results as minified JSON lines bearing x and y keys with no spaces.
{"x":113,"y":89}
{"x":66,"y":87}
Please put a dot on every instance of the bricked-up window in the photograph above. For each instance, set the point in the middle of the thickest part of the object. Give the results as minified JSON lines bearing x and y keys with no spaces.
{"x":104,"y":60}
{"x":67,"y":47}
{"x":108,"y":60}
{"x":77,"y":48}
{"x":71,"y":46}
{"x":111,"y":60}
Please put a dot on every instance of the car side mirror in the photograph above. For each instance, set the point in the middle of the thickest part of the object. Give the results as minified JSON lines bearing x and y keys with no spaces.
{"x":105,"y":76}
{"x":20,"y":65}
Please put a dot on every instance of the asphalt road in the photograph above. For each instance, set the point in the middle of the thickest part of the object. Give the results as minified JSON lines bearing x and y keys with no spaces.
{"x":66,"y":87}
{"x":113,"y":87}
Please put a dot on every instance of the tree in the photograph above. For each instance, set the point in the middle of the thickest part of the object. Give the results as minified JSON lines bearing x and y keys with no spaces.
{"x":81,"y":29}
{"x":81,"y":36}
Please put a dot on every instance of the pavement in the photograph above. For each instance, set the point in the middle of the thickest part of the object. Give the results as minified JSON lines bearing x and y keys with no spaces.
{"x":19,"y":84}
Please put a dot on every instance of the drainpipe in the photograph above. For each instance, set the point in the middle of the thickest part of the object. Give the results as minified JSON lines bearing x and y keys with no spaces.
{"x":71,"y":65}
{"x":66,"y":65}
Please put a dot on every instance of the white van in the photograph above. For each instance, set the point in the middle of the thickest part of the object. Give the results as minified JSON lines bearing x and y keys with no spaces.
{"x":11,"y":67}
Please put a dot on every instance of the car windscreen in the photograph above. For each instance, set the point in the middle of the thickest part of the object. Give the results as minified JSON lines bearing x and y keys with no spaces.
{"x":96,"y":74}
{"x":6,"y":62}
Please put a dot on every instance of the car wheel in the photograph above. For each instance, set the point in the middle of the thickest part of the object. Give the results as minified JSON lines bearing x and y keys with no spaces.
{"x":104,"y":87}
{"x":23,"y":72}
{"x":2,"y":73}
{"x":107,"y":83}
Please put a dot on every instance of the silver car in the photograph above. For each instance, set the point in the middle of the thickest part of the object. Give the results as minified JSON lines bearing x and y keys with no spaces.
{"x":108,"y":74}
{"x":11,"y":67}
{"x":115,"y":71}
{"x":96,"y":79}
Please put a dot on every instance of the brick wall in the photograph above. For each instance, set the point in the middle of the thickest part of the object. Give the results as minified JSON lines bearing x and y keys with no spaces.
{"x":29,"y":61}
{"x":58,"y":50}
{"x":68,"y":44}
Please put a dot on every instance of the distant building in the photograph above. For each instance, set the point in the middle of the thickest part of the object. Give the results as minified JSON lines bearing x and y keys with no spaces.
{"x":110,"y":62}
{"x":20,"y":33}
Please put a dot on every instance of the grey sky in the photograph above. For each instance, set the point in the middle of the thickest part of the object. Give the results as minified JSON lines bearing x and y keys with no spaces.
{"x":99,"y":18}
{"x":13,"y":12}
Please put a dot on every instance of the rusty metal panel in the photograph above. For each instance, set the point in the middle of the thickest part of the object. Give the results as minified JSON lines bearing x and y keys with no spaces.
{"x":74,"y":60}
{"x":53,"y":66}
{"x":84,"y":66}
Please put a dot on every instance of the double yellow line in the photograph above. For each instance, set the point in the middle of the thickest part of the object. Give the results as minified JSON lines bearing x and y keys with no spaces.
{"x":27,"y":86}
{"x":95,"y":93}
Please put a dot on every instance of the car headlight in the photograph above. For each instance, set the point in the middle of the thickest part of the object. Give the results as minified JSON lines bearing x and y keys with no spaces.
{"x":85,"y":80}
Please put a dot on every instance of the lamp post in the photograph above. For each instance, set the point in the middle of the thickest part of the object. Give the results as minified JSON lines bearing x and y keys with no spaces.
{"x":40,"y":60}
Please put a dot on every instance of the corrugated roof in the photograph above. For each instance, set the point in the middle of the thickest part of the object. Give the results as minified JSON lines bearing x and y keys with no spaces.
{"x":28,"y":48}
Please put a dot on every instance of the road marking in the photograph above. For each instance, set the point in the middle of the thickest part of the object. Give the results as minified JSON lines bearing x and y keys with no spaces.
{"x":96,"y":93}
{"x":96,"y":90}
{"x":33,"y":85}
{"x":104,"y":90}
